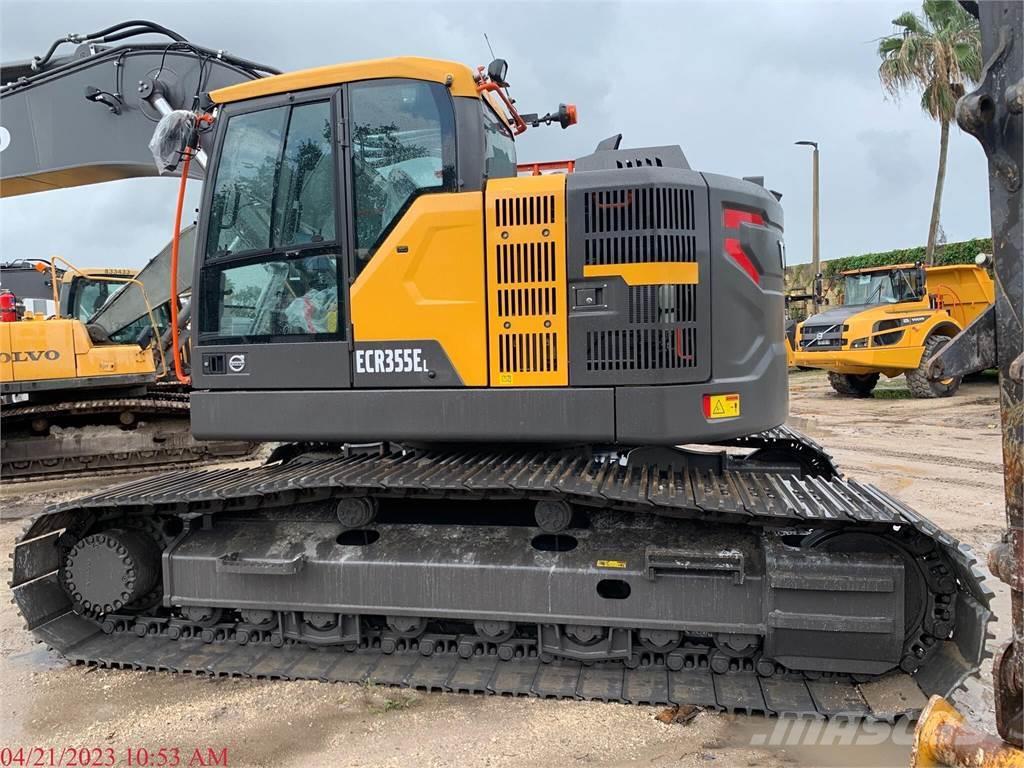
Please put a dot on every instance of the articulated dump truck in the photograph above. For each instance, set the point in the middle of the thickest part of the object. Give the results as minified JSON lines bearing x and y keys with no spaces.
{"x":482,"y":371}
{"x":892,"y":321}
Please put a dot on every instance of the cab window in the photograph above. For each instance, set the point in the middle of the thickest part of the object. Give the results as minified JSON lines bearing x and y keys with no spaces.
{"x":275,"y":185}
{"x":291,"y":297}
{"x":89,"y":295}
{"x":499,"y":147}
{"x":272,"y":270}
{"x":403,"y":145}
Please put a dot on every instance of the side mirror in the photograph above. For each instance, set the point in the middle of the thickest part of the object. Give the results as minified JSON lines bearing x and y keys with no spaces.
{"x":497,"y":70}
{"x":921,"y":276}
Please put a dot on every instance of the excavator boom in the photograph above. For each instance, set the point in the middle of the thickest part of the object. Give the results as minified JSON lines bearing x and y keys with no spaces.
{"x":88,"y":117}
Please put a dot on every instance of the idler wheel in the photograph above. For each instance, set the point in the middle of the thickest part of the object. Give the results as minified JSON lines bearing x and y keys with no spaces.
{"x":107,"y":571}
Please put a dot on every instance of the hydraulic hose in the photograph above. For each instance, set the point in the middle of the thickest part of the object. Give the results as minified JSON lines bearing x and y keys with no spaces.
{"x":134,"y":28}
{"x":179,"y":373}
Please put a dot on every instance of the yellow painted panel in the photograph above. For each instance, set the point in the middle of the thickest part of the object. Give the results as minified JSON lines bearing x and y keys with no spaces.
{"x":109,"y":359}
{"x":42,"y":349}
{"x":6,"y":366}
{"x":413,"y":67}
{"x":436,"y":289}
{"x":646,"y":274}
{"x":526,"y":282}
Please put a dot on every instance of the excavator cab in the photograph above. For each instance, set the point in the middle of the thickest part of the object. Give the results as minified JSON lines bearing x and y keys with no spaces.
{"x":366,"y":240}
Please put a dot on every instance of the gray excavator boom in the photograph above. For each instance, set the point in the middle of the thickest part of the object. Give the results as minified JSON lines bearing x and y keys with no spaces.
{"x":88,"y":117}
{"x":130,"y":302}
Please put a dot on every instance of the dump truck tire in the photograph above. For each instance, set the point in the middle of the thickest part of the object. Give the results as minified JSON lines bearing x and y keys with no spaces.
{"x":853,"y":385}
{"x":917,"y":380}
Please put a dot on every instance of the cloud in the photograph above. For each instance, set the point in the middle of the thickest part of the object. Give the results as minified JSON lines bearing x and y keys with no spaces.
{"x":893,"y":158}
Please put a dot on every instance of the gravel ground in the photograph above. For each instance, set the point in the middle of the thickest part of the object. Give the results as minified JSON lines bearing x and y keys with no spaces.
{"x":941,"y":457}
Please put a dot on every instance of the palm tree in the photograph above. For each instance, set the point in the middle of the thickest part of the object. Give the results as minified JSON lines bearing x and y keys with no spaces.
{"x":937,"y":52}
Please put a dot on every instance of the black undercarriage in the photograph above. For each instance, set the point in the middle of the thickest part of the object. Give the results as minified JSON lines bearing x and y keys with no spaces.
{"x":759,"y":581}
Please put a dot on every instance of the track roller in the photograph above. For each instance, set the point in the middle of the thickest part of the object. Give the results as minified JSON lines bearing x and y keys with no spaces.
{"x":553,"y":516}
{"x":357,"y":511}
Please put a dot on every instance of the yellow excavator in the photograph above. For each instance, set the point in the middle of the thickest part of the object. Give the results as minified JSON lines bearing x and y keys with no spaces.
{"x":84,"y":373}
{"x":483,"y":371}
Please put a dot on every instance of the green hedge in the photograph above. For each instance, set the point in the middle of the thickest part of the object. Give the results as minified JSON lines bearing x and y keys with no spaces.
{"x":949,"y":253}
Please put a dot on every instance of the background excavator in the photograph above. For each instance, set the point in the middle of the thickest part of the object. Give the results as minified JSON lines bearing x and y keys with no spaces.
{"x":85,"y":376}
{"x":89,"y":387}
{"x":484,"y":378}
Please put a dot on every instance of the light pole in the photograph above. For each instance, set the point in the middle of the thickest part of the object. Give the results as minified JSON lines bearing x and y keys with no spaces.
{"x":816,"y":256}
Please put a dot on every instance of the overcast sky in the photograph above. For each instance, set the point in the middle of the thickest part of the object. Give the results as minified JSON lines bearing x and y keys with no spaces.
{"x":735,"y":84}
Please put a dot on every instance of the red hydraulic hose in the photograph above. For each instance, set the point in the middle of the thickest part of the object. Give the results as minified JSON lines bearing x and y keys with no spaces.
{"x":179,"y":374}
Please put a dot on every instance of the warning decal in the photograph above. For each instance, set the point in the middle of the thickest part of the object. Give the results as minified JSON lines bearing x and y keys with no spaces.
{"x":722,"y":406}
{"x":611,"y":563}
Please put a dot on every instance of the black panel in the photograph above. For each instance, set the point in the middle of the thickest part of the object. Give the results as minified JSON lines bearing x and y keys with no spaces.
{"x":637,"y":334}
{"x":428,"y":415}
{"x":608,"y":159}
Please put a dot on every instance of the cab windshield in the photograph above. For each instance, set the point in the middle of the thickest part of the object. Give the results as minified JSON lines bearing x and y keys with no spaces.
{"x":879,"y":288}
{"x":89,"y":295}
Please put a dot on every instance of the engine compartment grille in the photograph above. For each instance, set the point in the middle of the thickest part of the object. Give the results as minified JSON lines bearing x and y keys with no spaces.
{"x":641,"y":333}
{"x":526,"y":281}
{"x":611,"y":213}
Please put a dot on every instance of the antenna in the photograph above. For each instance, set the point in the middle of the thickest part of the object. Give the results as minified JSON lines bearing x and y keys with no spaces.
{"x":488,"y":41}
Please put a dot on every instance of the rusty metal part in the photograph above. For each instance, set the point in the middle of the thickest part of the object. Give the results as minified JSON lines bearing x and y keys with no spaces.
{"x":971,"y":350}
{"x":992,"y":113}
{"x":942,"y":738}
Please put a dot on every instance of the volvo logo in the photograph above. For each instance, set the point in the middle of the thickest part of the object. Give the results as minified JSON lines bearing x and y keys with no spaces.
{"x":31,"y":356}
{"x":819,"y":336}
{"x":236,"y":363}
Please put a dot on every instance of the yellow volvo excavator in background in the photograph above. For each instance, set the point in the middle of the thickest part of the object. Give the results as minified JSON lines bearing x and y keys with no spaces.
{"x":84,"y":373}
{"x":483,"y":370}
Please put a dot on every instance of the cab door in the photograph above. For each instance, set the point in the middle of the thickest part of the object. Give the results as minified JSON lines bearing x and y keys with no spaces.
{"x":271,"y":290}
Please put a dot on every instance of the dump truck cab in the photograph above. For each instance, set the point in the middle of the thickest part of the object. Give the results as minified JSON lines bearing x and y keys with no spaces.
{"x":892,"y":320}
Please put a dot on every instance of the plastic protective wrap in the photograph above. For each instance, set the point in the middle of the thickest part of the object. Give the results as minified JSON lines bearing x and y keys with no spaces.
{"x":170,"y":138}
{"x":314,"y":312}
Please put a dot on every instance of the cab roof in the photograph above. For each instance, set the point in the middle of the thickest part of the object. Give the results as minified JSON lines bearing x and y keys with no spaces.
{"x":411,"y":67}
{"x":882,"y":268}
{"x":114,"y":272}
{"x":891,"y":267}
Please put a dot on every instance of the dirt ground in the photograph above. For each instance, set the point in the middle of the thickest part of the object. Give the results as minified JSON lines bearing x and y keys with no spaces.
{"x":941,"y":457}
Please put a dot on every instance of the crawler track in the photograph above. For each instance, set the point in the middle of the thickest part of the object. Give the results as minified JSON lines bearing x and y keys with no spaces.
{"x":164,"y":438}
{"x":447,"y":656}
